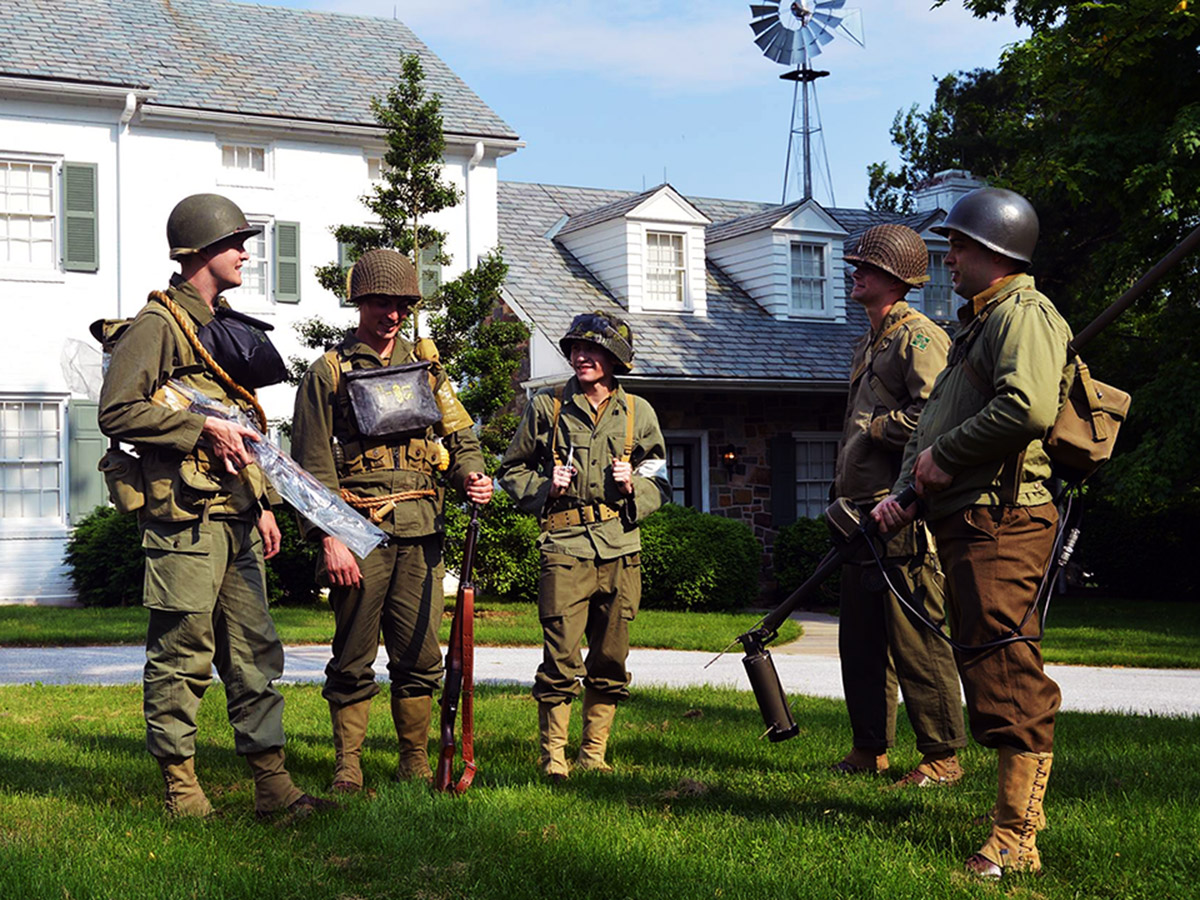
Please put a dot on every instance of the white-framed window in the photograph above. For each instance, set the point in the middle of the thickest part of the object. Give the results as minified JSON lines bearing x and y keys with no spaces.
{"x":244,"y":163}
{"x":937,"y":295}
{"x":256,"y":271}
{"x":31,"y":460}
{"x":28,"y":214}
{"x":376,"y":168}
{"x":687,"y":468}
{"x":272,"y":273}
{"x":816,"y":456}
{"x":809,"y":277}
{"x":666,"y":272}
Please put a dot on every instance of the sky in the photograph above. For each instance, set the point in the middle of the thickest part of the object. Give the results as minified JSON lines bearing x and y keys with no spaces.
{"x":626,"y":94}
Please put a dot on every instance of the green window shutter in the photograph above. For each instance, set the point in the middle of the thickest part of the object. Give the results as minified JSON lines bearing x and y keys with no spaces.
{"x":86,"y":444}
{"x":81,"y":246}
{"x":343,"y":260}
{"x":430,"y":269}
{"x":783,"y":480}
{"x":287,"y":262}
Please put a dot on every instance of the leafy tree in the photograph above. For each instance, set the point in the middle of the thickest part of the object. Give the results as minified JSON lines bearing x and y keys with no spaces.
{"x":1096,"y":119}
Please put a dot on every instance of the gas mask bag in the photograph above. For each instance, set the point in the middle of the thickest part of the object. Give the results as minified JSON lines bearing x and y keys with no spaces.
{"x":240,"y":345}
{"x":392,"y":400}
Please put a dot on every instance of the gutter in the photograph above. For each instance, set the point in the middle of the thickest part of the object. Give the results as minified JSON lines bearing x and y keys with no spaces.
{"x":40,"y":89}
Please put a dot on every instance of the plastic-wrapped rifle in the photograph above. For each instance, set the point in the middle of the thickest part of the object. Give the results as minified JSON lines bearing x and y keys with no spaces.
{"x":459,"y":688}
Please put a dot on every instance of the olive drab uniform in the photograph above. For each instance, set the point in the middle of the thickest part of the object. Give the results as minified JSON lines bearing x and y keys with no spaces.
{"x":879,"y":644}
{"x":590,"y":582}
{"x":401,"y":589}
{"x":205,"y":583}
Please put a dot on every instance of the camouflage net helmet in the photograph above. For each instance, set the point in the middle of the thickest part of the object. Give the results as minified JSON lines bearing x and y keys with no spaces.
{"x":385,"y":273}
{"x":202,"y":220}
{"x":605,"y":330}
{"x":897,"y":250}
{"x":1003,"y":221}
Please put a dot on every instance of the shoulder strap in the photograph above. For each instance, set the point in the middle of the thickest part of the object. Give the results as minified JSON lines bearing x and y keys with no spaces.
{"x":628,"y":428}
{"x":891,"y":329}
{"x":558,"y":402}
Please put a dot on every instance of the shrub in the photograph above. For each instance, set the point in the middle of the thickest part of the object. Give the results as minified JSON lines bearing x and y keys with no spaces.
{"x":1143,"y":553}
{"x":506,"y":555}
{"x":104,"y":555}
{"x":799,"y":547}
{"x":291,"y":573}
{"x":698,"y":561}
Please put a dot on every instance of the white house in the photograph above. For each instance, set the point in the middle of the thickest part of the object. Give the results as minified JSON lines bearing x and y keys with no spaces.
{"x":111,"y":112}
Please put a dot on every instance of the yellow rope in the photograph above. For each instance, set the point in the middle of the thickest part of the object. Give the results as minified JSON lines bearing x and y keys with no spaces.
{"x":360,"y":502}
{"x":185,"y":323}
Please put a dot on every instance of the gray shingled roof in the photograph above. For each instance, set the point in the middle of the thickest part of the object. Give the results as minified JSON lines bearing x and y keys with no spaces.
{"x":232,"y":57}
{"x":737,"y":339}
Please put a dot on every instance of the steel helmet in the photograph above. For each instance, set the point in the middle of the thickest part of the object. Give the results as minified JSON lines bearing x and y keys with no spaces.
{"x":385,"y":273}
{"x":1001,"y":220}
{"x":897,"y":250}
{"x":605,"y":330}
{"x":202,"y":220}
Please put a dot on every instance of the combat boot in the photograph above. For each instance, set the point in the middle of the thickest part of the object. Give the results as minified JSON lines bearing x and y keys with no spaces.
{"x":411,"y":717}
{"x":859,"y":761}
{"x":274,"y":790}
{"x":1012,"y":846}
{"x":553,"y":720}
{"x":349,"y":731}
{"x":933,"y":769}
{"x":184,"y":796}
{"x":598,"y":713}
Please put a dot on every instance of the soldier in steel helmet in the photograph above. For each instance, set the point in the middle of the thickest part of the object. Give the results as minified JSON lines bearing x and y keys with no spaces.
{"x":588,"y":460}
{"x":977,"y":460}
{"x":880,"y":645}
{"x":206,"y":520}
{"x":394,"y":479}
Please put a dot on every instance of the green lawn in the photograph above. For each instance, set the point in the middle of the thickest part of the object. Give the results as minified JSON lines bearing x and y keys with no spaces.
{"x":1083,"y":630}
{"x":698,"y":808}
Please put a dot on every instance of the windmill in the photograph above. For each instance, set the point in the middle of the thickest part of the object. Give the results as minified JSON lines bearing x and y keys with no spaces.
{"x":792,"y":33}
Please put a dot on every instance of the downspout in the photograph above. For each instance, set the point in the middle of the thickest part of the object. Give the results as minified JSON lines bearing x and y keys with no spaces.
{"x":475,"y":159}
{"x":131,"y":104}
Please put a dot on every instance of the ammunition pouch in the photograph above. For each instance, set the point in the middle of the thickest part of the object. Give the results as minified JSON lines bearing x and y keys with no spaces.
{"x":123,"y":475}
{"x":1083,"y":435}
{"x":392,"y":400}
{"x":579,"y":515}
{"x":360,"y":457}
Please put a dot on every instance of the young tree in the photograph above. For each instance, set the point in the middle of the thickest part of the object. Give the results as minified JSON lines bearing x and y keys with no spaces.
{"x":1096,"y":119}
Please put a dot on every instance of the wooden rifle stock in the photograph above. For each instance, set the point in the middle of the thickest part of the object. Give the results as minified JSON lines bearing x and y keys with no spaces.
{"x":460,"y":676}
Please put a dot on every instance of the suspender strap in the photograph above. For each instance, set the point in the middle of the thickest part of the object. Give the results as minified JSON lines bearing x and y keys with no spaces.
{"x":628,"y":429}
{"x":558,"y":401}
{"x":891,"y":329}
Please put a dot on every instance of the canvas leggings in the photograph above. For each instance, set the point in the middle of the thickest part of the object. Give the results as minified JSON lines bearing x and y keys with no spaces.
{"x":882,"y":646}
{"x":994,"y":558}
{"x":401,"y":596}
{"x":205,"y":586}
{"x":578,"y":597}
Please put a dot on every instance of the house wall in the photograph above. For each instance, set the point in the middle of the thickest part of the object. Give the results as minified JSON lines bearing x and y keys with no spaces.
{"x":143,"y":169}
{"x":753,"y":261}
{"x":609,"y":251}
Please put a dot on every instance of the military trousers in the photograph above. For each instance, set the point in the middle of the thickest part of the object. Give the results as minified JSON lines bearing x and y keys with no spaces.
{"x":994,"y":558}
{"x":883,"y":646}
{"x":205,"y":585}
{"x":400,"y":596}
{"x":586,"y":597}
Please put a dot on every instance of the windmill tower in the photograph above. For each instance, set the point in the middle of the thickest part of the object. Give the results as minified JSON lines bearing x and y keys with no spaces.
{"x":792,"y":33}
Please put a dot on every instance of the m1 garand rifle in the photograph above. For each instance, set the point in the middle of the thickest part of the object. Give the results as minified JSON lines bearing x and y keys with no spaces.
{"x":460,"y":675}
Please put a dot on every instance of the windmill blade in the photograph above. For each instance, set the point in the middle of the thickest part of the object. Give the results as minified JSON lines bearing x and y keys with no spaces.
{"x":781,"y":48}
{"x":765,"y":39}
{"x":830,"y":4}
{"x":828,"y":21}
{"x":852,"y":27}
{"x":762,"y":25}
{"x":757,"y":11}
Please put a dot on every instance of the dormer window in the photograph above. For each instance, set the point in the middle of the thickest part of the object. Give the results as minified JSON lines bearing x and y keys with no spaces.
{"x":665,"y":271}
{"x":938,"y":293}
{"x":810,"y":277}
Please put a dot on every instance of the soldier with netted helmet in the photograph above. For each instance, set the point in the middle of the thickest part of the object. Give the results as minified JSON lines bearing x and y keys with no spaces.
{"x":393,"y":470}
{"x":206,"y":516}
{"x":977,"y":459}
{"x":588,"y":460}
{"x":891,"y":375}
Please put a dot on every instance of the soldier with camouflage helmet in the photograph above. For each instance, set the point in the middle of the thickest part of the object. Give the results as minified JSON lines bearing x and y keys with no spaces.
{"x":206,"y":520}
{"x":977,"y":459}
{"x":891,"y":375}
{"x":396,"y":480}
{"x":588,"y":460}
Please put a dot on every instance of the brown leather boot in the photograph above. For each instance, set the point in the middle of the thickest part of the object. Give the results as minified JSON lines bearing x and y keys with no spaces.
{"x":553,"y":720}
{"x":184,"y":796}
{"x":859,"y":761}
{"x":1012,"y":846}
{"x":411,"y":717}
{"x":273,"y":787}
{"x":933,"y":769}
{"x":598,"y":713}
{"x":349,"y":731}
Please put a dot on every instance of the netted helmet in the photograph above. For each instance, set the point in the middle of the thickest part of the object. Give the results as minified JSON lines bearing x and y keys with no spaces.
{"x":605,"y":330}
{"x":1001,"y":220}
{"x":897,"y":250}
{"x":202,"y":220}
{"x":383,"y":272}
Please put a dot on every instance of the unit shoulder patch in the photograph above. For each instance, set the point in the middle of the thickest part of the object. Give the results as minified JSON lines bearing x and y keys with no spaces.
{"x":920,"y":341}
